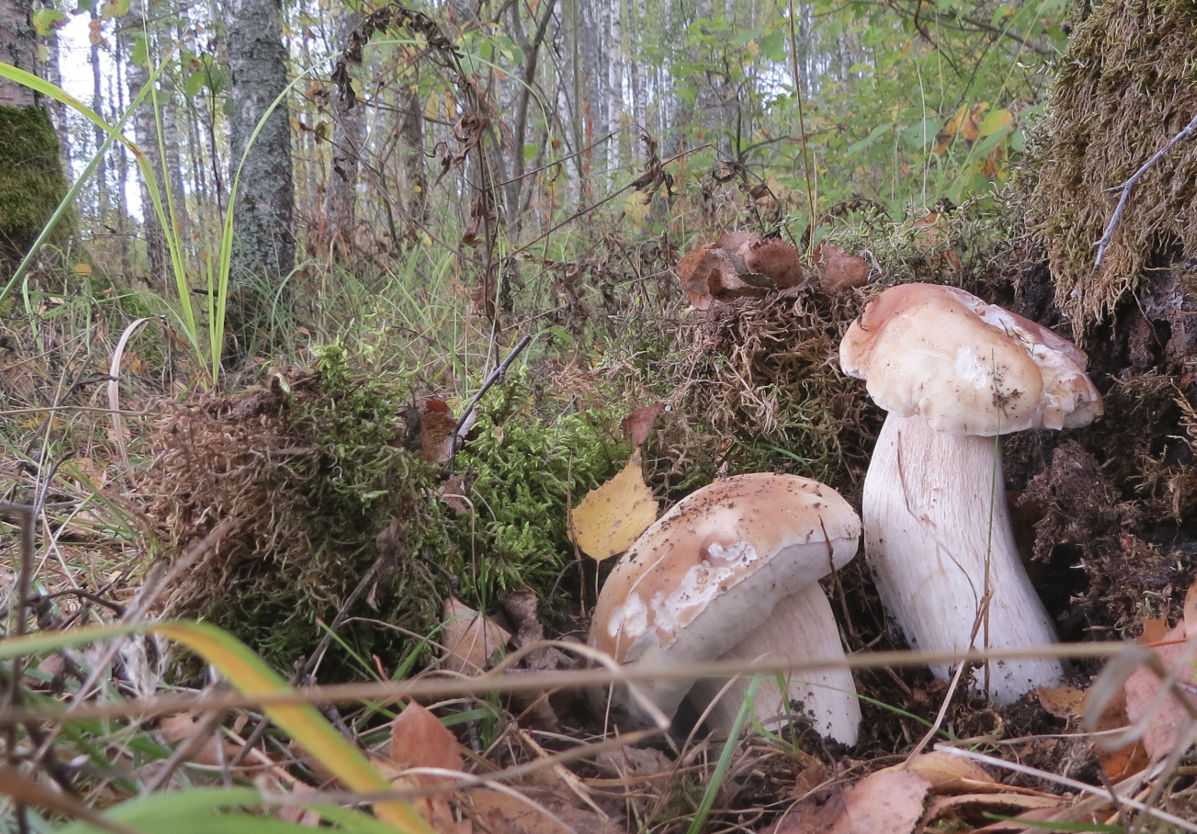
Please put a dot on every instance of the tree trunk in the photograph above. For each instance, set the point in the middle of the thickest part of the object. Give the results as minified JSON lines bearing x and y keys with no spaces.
{"x":31,"y":178}
{"x":349,"y":133}
{"x":145,"y":131}
{"x":263,"y":238}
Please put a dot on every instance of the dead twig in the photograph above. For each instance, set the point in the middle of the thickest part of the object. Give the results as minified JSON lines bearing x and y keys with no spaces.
{"x":1125,"y":188}
{"x":495,"y":376}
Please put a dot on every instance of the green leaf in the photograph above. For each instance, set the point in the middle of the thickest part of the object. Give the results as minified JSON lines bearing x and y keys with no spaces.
{"x":46,"y":20}
{"x":141,"y":50}
{"x":867,"y":142}
{"x":194,"y":83}
{"x":773,"y":45}
{"x":920,"y":136}
{"x":115,"y":8}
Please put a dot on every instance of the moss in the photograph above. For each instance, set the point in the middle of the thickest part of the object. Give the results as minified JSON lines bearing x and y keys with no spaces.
{"x":32,"y":183}
{"x":529,"y":462}
{"x":1125,"y":88}
{"x":320,"y":493}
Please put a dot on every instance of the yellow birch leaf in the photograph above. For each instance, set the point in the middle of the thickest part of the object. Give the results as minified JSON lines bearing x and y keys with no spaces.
{"x":614,"y":515}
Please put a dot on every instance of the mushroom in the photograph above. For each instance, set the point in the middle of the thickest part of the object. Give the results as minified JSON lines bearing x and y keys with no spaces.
{"x":709,"y":573}
{"x":800,"y":627}
{"x":954,"y":372}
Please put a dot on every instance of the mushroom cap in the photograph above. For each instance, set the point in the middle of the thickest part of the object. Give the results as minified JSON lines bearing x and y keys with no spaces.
{"x":968,"y":367}
{"x":711,"y":569}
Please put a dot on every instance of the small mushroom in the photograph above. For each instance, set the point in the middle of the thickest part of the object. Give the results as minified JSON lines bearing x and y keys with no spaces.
{"x":710,"y":572}
{"x":953,"y":372}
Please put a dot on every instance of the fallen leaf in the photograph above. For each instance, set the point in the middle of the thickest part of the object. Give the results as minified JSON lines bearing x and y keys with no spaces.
{"x":883,"y":803}
{"x":1154,"y":631}
{"x":180,"y":727}
{"x":470,"y":640}
{"x":968,"y":809}
{"x":1190,"y":611}
{"x":840,"y":271}
{"x":1124,"y":761}
{"x":612,"y":516}
{"x":419,"y":739}
{"x":436,"y":428}
{"x":1065,"y":702}
{"x":1165,"y":720}
{"x":947,"y":773}
{"x":637,"y":425}
{"x":537,"y":812}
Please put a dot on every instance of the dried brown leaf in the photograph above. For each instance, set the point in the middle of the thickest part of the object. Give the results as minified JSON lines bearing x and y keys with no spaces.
{"x":1164,"y":722}
{"x":1065,"y":702}
{"x":883,"y":803}
{"x":471,"y":641}
{"x":637,"y":425}
{"x":419,"y":739}
{"x":839,"y":270}
{"x":947,"y":773}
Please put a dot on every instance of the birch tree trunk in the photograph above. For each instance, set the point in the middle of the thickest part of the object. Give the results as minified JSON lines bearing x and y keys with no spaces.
{"x":145,"y":131}
{"x":349,"y":133}
{"x":263,"y":238}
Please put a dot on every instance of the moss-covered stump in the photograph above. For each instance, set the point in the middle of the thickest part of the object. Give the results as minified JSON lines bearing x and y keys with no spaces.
{"x":31,"y":179}
{"x":1125,"y":88}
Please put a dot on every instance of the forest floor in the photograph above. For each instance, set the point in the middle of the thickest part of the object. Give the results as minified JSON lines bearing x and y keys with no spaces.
{"x":211,"y":481}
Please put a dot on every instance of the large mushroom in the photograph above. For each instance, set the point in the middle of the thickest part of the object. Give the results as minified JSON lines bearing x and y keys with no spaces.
{"x":709,"y":573}
{"x":954,"y":372}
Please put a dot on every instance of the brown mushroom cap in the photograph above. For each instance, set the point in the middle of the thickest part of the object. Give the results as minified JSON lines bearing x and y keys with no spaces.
{"x":966,"y":366}
{"x":711,"y":569}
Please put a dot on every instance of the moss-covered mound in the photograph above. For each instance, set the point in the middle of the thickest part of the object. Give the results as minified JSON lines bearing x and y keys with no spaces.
{"x":1125,"y":88}
{"x":325,"y":492}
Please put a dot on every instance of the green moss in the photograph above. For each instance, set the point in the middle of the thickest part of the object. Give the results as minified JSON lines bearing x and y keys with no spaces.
{"x":529,"y":462}
{"x":32,"y":183}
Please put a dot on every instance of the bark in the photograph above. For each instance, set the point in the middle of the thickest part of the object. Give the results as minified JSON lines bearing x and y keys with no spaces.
{"x":145,"y":131}
{"x":18,"y":46}
{"x":349,"y":134}
{"x":263,"y":241}
{"x":411,"y":131}
{"x":58,"y":111}
{"x":98,"y":134}
{"x":31,"y":175}
{"x":174,"y":162}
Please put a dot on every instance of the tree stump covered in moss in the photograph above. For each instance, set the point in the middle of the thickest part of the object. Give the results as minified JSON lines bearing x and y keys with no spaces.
{"x":1113,"y":505}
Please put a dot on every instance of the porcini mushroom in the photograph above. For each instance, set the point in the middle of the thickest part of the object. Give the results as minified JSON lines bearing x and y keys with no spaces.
{"x":710,"y":572}
{"x":800,"y":627}
{"x":954,"y":372}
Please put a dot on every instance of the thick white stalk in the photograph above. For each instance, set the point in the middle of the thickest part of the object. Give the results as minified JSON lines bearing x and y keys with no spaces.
{"x":801,"y":627}
{"x":939,"y":540}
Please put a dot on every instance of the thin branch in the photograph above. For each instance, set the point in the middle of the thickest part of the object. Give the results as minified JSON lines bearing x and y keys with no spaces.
{"x":1125,"y":188}
{"x":495,"y":376}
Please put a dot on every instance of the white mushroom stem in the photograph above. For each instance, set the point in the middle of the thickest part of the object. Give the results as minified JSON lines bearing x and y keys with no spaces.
{"x":939,"y":539}
{"x":802,"y":627}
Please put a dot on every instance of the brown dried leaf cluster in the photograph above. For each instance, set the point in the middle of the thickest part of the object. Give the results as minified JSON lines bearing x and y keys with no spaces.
{"x":736,"y":265}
